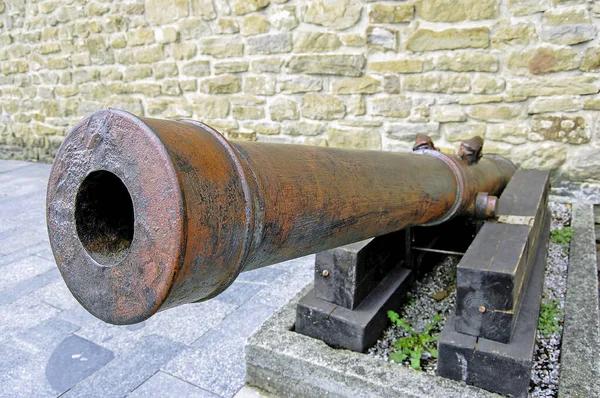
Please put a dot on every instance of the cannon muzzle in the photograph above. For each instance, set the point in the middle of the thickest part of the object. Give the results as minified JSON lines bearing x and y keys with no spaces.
{"x":146,"y":214}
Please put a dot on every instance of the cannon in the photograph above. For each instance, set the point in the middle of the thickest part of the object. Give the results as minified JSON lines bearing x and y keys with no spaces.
{"x":146,"y":214}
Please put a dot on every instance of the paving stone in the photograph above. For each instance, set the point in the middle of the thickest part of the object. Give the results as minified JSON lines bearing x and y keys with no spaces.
{"x":19,"y":238}
{"x":240,"y":292}
{"x":223,"y":346}
{"x":164,"y":385}
{"x":73,"y":360}
{"x":126,"y":372}
{"x":35,"y":347}
{"x":11,"y":165}
{"x":19,"y":271}
{"x":287,"y":285}
{"x":57,"y":295}
{"x":12,"y":294}
{"x":24,"y":314}
{"x":25,"y":252}
{"x":192,"y":320}
{"x":265,"y":274}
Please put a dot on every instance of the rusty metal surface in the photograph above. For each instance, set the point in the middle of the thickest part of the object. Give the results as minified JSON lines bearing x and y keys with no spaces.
{"x":147,"y":214}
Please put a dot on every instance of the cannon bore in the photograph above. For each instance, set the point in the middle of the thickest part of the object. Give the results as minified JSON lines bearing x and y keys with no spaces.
{"x":146,"y":214}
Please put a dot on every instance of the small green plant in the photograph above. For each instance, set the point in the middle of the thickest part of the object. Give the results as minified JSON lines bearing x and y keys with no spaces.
{"x":550,"y":314}
{"x":561,"y":236}
{"x":413,"y":345}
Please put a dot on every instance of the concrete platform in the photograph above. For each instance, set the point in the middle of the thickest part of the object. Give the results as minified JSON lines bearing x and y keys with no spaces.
{"x":286,"y":364}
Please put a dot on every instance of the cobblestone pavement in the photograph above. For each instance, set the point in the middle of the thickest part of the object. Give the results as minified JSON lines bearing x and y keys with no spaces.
{"x":50,"y":346}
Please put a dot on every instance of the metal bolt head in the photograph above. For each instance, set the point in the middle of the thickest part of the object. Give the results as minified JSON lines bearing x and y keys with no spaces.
{"x":481,"y":309}
{"x":325,"y":273}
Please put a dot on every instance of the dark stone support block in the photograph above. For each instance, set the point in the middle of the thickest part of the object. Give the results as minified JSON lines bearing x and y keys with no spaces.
{"x":355,"y":329}
{"x":495,"y":366}
{"x":493,"y":273}
{"x":352,"y":271}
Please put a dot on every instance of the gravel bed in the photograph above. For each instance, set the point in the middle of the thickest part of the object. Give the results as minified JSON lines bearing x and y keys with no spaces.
{"x":435,"y":294}
{"x":546,"y":362}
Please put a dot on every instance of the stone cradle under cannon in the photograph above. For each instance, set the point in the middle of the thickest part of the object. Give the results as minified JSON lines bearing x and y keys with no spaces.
{"x":147,"y":214}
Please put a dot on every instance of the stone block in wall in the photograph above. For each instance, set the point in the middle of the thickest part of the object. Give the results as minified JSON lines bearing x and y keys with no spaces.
{"x":391,"y":13}
{"x":230,"y":67}
{"x":137,"y":72}
{"x":193,"y":28}
{"x":592,"y":104}
{"x":572,"y":130}
{"x":169,"y":108}
{"x":591,"y":60}
{"x":149,"y":55}
{"x":263,"y":128}
{"x":527,"y":7}
{"x":254,"y":24}
{"x":449,"y":39}
{"x":585,"y":163}
{"x":259,"y":85}
{"x":353,"y":138}
{"x":204,"y":9}
{"x":407,"y":132}
{"x":164,"y":69}
{"x":301,"y":84}
{"x":336,"y":14}
{"x":545,"y":156}
{"x":356,"y":85}
{"x":511,"y":133}
{"x":568,"y":25}
{"x":457,"y":10}
{"x":334,"y":64}
{"x":161,"y":12}
{"x":438,"y":83}
{"x":303,"y":128}
{"x":240,"y":112}
{"x":554,"y":104}
{"x":495,"y":113}
{"x":220,"y":47}
{"x":241,"y":7}
{"x":225,"y":26}
{"x":284,"y":18}
{"x":382,"y":38}
{"x":322,"y":107}
{"x":225,"y":84}
{"x":448,"y":113}
{"x":270,"y":44}
{"x":170,"y":87}
{"x":397,"y":66}
{"x":467,"y":62}
{"x":484,"y":84}
{"x":353,"y":40}
{"x":266,"y":65}
{"x":316,"y":42}
{"x":196,"y":68}
{"x":211,"y":107}
{"x":140,"y":36}
{"x":542,"y":60}
{"x":552,"y":85}
{"x":129,"y":104}
{"x":505,"y":34}
{"x":283,"y":109}
{"x":242,"y":135}
{"x":391,"y":106}
{"x":356,"y":106}
{"x":183,"y":50}
{"x":457,"y":132}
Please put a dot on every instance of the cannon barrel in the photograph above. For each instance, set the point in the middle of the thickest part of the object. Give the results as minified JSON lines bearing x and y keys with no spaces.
{"x":146,"y":214}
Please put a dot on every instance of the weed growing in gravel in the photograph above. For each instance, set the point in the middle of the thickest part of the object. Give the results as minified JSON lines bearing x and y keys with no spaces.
{"x":561,"y":236}
{"x":413,"y":345}
{"x":549,"y":317}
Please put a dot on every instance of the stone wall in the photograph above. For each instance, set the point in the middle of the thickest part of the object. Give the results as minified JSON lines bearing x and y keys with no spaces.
{"x":343,"y":73}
